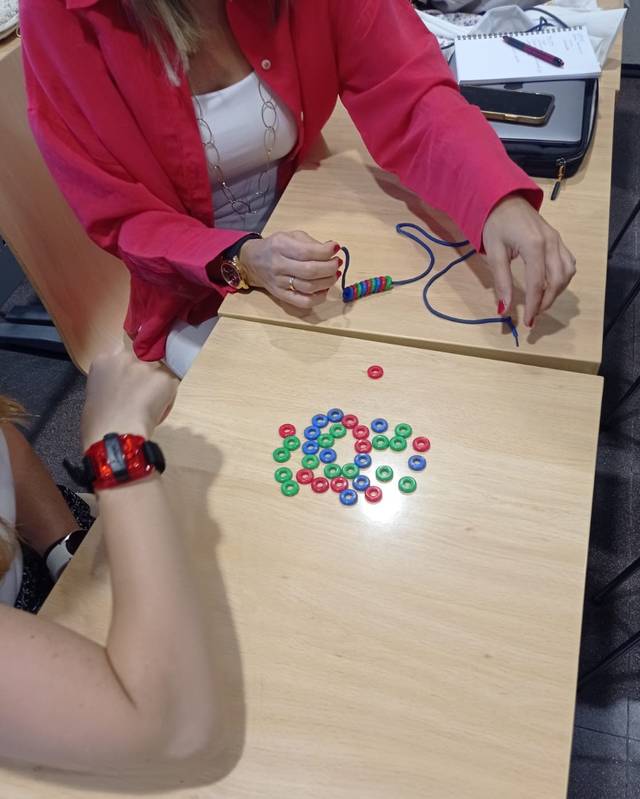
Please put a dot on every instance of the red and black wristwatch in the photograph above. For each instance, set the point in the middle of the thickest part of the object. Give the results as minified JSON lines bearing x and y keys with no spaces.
{"x":115,"y":460}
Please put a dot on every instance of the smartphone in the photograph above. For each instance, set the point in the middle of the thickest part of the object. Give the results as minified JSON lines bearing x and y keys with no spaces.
{"x":502,"y":105}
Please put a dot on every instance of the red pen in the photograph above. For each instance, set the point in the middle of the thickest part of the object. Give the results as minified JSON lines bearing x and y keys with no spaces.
{"x":527,"y":48}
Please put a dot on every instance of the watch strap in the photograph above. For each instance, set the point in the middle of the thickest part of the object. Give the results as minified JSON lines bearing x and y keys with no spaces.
{"x":234,"y":250}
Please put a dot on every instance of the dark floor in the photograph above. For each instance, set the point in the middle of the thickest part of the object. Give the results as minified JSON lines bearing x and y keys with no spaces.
{"x":606,"y":752}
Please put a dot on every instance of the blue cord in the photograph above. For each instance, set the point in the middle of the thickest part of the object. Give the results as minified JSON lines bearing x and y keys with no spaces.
{"x":405,"y":229}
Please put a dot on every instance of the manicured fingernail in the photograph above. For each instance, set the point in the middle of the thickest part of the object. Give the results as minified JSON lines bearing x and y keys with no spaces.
{"x":340,"y":262}
{"x":338,"y":273}
{"x":530,"y":323}
{"x":501,"y":307}
{"x":336,"y":249}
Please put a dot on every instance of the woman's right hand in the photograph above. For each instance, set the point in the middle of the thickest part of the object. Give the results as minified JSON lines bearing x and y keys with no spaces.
{"x":126,"y":395}
{"x":271,"y":262}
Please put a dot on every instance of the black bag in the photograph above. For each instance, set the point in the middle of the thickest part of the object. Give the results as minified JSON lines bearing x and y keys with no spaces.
{"x":559,"y":161}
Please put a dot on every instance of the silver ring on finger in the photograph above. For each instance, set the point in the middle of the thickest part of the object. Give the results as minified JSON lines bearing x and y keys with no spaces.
{"x":291,"y":287}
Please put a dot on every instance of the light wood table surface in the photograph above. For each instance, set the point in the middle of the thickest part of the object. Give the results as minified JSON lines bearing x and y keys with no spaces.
{"x":346,"y":197}
{"x":423,"y":647}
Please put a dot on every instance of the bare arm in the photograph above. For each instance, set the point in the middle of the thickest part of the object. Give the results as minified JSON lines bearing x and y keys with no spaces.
{"x":68,"y":702}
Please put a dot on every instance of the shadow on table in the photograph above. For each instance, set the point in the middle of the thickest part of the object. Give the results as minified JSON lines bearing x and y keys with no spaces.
{"x":193,"y":465}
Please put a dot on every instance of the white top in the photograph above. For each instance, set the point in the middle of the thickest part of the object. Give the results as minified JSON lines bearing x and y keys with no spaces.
{"x":10,"y":583}
{"x":235,"y":122}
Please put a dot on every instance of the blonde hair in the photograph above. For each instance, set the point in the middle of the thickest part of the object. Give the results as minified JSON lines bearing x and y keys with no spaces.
{"x":163,"y":23}
{"x":10,"y":411}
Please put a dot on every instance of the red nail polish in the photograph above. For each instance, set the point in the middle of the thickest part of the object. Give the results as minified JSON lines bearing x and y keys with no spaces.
{"x":501,"y":307}
{"x":338,"y":273}
{"x":340,"y":262}
{"x":336,"y":249}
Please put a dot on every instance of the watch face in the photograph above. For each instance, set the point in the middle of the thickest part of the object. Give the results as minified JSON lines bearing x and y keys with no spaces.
{"x":230,"y":274}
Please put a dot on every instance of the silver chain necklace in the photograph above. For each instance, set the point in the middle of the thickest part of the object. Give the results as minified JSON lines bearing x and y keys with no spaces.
{"x":269,"y":116}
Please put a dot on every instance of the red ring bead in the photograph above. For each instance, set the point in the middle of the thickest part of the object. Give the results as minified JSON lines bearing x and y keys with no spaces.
{"x":320,"y":485}
{"x":304,"y":476}
{"x":373,"y":494}
{"x":421,"y":444}
{"x":362,"y":445}
{"x":349,"y":420}
{"x":375,"y":372}
{"x":339,"y":484}
{"x":286,"y":430}
{"x":361,"y":431}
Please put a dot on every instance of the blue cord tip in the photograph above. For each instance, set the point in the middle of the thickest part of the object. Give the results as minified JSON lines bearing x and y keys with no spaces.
{"x":513,"y":329}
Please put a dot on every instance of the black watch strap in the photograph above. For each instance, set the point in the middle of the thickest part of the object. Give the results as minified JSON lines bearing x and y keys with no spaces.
{"x":235,"y":248}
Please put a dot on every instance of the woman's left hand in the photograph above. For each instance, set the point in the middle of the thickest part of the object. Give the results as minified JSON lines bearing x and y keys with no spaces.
{"x":514,"y":228}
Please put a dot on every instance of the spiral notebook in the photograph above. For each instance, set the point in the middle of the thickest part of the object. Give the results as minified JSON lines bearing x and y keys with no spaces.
{"x":485,"y":58}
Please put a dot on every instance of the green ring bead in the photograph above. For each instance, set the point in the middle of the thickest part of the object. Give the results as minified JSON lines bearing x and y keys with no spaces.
{"x":281,"y":455}
{"x":290,"y":488}
{"x":404,"y":430}
{"x":350,"y":470}
{"x":338,"y":430}
{"x":407,"y":485}
{"x":325,"y":440}
{"x":398,"y":443}
{"x":332,"y":470}
{"x":291,"y":443}
{"x":311,"y":462}
{"x":283,"y":474}
{"x":384,"y":473}
{"x":379,"y":442}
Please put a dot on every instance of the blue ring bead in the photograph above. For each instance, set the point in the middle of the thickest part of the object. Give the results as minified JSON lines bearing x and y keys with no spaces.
{"x":328,"y":455}
{"x":310,"y":448}
{"x":348,"y":497}
{"x":335,"y":415}
{"x":379,"y":425}
{"x":363,"y":460}
{"x":417,"y":463}
{"x":311,"y":433}
{"x":361,"y":482}
{"x":319,"y":420}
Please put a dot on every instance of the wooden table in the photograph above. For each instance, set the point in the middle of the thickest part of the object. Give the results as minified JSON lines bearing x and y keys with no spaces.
{"x":423,"y":647}
{"x":346,"y":197}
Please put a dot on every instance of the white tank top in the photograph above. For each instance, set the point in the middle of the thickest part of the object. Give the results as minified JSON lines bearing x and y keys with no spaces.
{"x":235,"y":119}
{"x":10,"y":583}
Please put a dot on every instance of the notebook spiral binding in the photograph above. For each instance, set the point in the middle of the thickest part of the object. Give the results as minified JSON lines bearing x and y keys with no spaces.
{"x":515,"y":35}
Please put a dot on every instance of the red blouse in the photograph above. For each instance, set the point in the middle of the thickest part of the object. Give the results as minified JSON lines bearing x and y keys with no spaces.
{"x":123,"y":144}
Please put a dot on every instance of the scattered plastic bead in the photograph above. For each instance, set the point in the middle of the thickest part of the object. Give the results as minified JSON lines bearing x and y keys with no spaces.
{"x":384,"y":473}
{"x":310,"y":448}
{"x":348,"y":497}
{"x":375,"y":372}
{"x":362,"y":445}
{"x":398,"y":443}
{"x":289,"y":489}
{"x":349,"y":420}
{"x":311,"y":433}
{"x":283,"y":474}
{"x":421,"y":444}
{"x":380,"y":442}
{"x":361,"y":482}
{"x":281,"y":455}
{"x":403,"y":430}
{"x":373,"y":494}
{"x":328,"y":455}
{"x":319,"y":420}
{"x":291,"y":443}
{"x":379,"y":425}
{"x":338,"y":430}
{"x":286,"y":430}
{"x":339,"y":484}
{"x":362,"y":460}
{"x":407,"y":485}
{"x":310,"y":462}
{"x":304,"y":476}
{"x":361,"y":431}
{"x":320,"y":485}
{"x":350,"y":470}
{"x":417,"y":463}
{"x":335,"y":415}
{"x":325,"y":440}
{"x":332,"y":470}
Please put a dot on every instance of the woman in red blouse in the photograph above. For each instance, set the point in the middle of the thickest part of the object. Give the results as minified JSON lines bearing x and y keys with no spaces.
{"x":130,"y":100}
